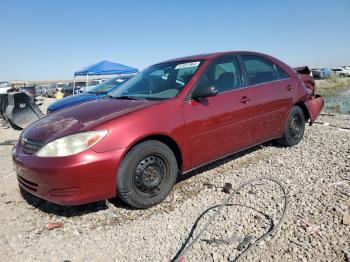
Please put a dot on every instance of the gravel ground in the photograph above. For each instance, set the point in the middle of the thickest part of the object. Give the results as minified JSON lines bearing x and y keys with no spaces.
{"x":316,"y":174}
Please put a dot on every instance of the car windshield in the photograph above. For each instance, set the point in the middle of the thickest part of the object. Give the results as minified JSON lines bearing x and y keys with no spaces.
{"x":94,"y":83}
{"x":158,"y":82}
{"x":105,"y":86}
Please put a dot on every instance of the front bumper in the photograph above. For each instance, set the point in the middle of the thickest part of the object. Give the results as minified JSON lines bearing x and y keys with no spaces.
{"x":79,"y":179}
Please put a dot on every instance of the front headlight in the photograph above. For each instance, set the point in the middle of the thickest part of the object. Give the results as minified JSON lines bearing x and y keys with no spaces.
{"x":73,"y":144}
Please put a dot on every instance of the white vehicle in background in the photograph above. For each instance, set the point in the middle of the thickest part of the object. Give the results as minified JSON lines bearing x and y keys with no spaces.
{"x":4,"y":87}
{"x":346,"y":67}
{"x":341,"y":72}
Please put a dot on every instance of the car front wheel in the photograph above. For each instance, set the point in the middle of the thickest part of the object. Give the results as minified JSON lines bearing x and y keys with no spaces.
{"x":294,"y":128}
{"x":147,"y":174}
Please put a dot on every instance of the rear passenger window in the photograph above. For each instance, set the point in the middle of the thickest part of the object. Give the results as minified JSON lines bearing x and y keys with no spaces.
{"x":259,"y":70}
{"x":281,"y":73}
{"x":224,"y":74}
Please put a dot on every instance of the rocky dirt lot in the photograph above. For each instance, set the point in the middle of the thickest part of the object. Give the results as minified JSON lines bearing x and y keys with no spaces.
{"x":315,"y":173}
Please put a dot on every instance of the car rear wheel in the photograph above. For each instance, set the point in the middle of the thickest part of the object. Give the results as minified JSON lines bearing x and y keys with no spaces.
{"x":147,"y":174}
{"x":294,"y":128}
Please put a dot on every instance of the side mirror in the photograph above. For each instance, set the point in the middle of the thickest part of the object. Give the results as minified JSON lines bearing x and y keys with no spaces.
{"x":204,"y":91}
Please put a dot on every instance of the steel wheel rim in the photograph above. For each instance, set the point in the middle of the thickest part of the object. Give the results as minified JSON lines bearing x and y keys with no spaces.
{"x":294,"y":126}
{"x":150,"y":174}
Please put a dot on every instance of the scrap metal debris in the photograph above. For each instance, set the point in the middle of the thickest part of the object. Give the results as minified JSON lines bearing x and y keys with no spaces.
{"x":51,"y":226}
{"x":227,"y":188}
{"x":314,"y":230}
{"x":208,"y":185}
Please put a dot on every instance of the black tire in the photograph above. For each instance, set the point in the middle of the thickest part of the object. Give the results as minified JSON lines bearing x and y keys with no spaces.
{"x":147,"y":174}
{"x":293,"y":128}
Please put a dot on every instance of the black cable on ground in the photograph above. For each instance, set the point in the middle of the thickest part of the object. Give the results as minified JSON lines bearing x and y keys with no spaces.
{"x":188,"y":245}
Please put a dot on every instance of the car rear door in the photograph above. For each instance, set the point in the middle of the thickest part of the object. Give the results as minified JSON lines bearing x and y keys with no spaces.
{"x":272,"y":96}
{"x":221,"y":124}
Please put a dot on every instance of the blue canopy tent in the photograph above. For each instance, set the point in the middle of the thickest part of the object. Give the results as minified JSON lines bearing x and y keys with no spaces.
{"x":104,"y":68}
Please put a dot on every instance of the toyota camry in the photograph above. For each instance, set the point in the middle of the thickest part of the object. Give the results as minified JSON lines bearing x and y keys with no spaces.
{"x":171,"y":118}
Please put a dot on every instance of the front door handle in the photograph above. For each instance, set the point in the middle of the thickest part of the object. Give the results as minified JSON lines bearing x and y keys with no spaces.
{"x":289,"y":88}
{"x":245,"y":99}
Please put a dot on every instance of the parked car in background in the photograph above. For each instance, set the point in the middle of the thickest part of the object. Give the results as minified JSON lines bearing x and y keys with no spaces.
{"x":29,"y":90}
{"x":79,"y":87}
{"x":44,"y":90}
{"x":68,"y":89}
{"x":40,"y":90}
{"x":317,"y":73}
{"x":346,"y":67}
{"x":4,"y":87}
{"x":321,"y":73}
{"x":169,"y":119}
{"x":53,"y":88}
{"x":341,"y":72}
{"x":327,"y":72}
{"x":90,"y":93}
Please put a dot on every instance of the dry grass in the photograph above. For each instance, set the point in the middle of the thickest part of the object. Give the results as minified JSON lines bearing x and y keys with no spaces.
{"x":332,"y":86}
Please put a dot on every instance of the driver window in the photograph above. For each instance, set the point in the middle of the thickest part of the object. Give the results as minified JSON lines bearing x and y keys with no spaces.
{"x":224,"y":74}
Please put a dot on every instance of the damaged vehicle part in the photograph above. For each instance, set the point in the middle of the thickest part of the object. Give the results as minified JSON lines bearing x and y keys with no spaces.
{"x":22,"y":110}
{"x":314,"y":107}
{"x":3,"y":106}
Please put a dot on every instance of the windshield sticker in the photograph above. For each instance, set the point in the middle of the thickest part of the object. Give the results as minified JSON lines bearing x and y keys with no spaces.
{"x":186,"y":65}
{"x":120,"y":80}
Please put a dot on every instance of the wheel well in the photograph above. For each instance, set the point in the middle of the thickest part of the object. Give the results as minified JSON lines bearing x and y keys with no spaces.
{"x":169,"y":142}
{"x":304,"y":108}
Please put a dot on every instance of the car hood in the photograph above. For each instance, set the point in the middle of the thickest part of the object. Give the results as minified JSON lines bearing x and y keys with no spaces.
{"x":71,"y":101}
{"x":80,"y":118}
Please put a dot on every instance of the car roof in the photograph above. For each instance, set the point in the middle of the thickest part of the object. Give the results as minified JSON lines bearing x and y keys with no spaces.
{"x":210,"y":56}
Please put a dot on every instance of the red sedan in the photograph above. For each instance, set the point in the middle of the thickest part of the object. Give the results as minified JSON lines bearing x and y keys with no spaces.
{"x":172,"y":117}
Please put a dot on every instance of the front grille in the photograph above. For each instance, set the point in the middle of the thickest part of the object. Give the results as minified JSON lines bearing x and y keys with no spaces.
{"x":27,"y":184}
{"x":31,"y":146}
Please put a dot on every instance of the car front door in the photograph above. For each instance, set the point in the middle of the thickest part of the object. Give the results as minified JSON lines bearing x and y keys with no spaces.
{"x":221,"y":124}
{"x":272,"y":95}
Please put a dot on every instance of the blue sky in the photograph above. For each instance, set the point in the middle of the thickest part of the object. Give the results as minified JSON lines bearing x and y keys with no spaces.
{"x":52,"y":39}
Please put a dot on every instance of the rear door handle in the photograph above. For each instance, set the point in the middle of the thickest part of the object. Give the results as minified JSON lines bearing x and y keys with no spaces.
{"x":289,"y":88}
{"x":245,"y":99}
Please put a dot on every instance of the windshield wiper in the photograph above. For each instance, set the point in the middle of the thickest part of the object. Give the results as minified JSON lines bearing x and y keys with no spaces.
{"x":124,"y":97}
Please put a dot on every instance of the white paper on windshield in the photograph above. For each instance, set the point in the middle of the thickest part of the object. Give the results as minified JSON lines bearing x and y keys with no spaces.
{"x":186,"y":65}
{"x":120,"y":80}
